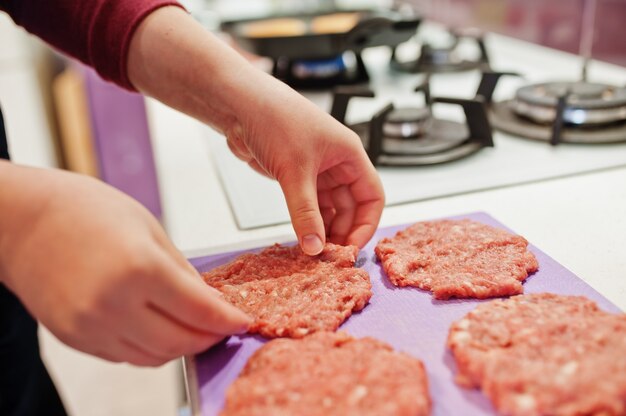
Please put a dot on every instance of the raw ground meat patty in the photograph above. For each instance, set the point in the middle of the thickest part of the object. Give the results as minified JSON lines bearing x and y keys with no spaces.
{"x":457,"y":258}
{"x":290,"y":294}
{"x":329,"y":374}
{"x":544,"y":354}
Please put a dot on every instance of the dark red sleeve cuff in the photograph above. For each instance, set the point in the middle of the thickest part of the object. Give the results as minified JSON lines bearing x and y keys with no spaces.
{"x":97,"y":32}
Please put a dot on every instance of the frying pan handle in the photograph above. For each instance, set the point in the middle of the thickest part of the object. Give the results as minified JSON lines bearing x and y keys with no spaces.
{"x":359,"y":35}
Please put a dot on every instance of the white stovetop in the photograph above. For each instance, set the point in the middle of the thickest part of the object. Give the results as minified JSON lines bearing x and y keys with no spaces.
{"x":258,"y":202}
{"x":580,"y":220}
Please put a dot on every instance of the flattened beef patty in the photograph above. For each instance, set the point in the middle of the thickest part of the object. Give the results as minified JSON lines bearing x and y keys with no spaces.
{"x":329,"y":374}
{"x":544,"y":354}
{"x":457,"y":258}
{"x":290,"y":294}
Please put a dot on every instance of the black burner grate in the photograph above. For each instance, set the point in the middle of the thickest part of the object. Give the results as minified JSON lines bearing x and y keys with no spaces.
{"x":567,"y":112}
{"x":441,"y":141}
{"x":433,"y":59}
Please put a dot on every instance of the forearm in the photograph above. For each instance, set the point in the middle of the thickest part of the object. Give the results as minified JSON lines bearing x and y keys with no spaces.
{"x":23,"y":197}
{"x":175,"y":60}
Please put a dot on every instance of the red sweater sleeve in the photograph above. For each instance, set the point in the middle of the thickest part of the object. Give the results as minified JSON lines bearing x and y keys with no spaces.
{"x":97,"y":32}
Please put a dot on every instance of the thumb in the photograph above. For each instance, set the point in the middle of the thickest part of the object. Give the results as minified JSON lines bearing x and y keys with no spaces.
{"x":301,"y":196}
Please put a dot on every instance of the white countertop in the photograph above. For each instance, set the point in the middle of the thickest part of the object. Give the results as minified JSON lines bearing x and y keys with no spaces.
{"x":580,"y":221}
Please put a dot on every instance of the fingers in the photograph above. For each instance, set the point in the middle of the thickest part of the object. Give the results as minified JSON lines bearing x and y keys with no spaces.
{"x":368,"y":193}
{"x":157,"y":328}
{"x":353,"y":189}
{"x":167,"y":245}
{"x":327,"y":209}
{"x":194,"y":304}
{"x":135,"y":355}
{"x":118,"y":350}
{"x":366,"y":220}
{"x":155,"y":333}
{"x":345,"y":206}
{"x":301,"y":195}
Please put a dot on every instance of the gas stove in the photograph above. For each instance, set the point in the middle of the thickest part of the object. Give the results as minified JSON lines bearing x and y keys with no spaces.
{"x":412,"y":135}
{"x":560,"y":111}
{"x":423,"y":56}
{"x":410,"y":138}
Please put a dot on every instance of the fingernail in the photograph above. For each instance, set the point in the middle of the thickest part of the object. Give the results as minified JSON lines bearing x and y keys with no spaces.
{"x":312,"y":244}
{"x":244,"y":328}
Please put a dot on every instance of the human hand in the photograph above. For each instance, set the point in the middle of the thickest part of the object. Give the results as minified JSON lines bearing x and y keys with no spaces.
{"x":94,"y":267}
{"x":330,"y":186}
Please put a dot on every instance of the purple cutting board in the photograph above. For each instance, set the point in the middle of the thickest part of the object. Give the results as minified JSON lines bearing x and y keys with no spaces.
{"x":407,"y":318}
{"x":122,"y":140}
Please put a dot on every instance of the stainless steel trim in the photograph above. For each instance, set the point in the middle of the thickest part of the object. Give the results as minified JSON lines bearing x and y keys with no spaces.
{"x":577,"y":116}
{"x":191,"y":384}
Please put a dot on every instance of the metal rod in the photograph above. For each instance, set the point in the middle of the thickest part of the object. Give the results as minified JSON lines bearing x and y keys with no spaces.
{"x":585,"y":68}
{"x":585,"y":48}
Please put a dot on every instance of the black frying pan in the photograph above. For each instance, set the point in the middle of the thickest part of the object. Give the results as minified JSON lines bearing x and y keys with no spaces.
{"x":374,"y":28}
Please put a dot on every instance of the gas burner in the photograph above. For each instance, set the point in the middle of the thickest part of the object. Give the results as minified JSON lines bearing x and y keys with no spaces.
{"x":407,"y":123}
{"x":446,"y":58}
{"x":587,"y":104}
{"x":347,"y":68}
{"x":412,"y":136}
{"x":568,"y":112}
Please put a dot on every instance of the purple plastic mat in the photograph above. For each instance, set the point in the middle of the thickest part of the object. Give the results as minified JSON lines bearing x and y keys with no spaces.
{"x":409,"y":319}
{"x":122,"y":141}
